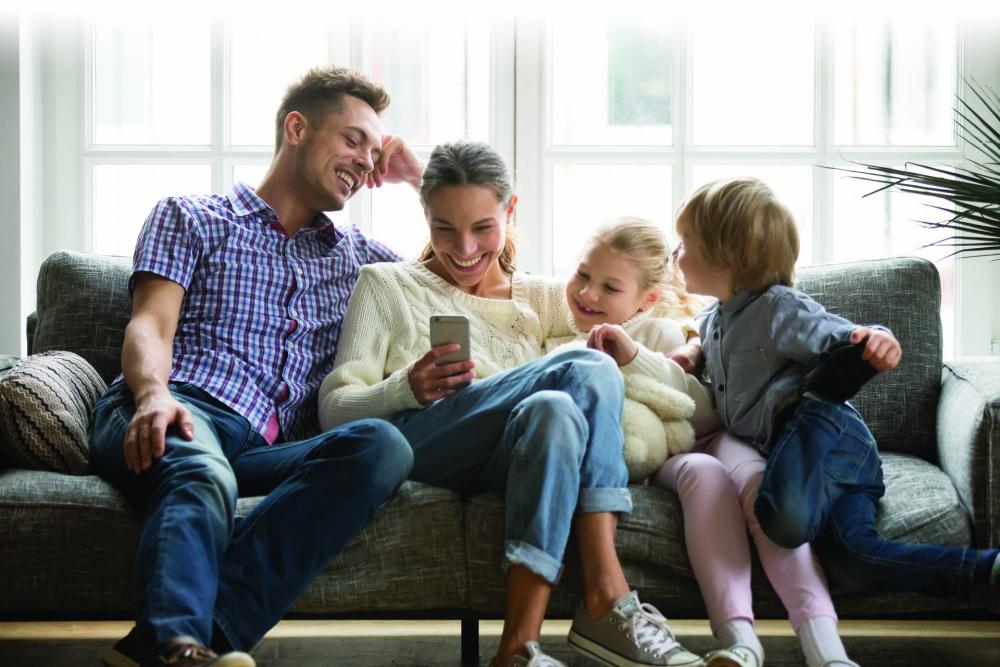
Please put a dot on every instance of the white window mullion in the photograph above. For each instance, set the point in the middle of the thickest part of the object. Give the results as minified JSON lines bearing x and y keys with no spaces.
{"x":533,"y":179}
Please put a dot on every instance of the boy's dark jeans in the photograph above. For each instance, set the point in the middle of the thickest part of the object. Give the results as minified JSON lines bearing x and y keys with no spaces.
{"x":822,"y":482}
{"x":196,"y":562}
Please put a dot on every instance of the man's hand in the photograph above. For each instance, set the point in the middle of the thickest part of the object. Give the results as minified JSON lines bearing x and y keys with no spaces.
{"x":429,"y":382}
{"x":613,"y":340}
{"x":882,"y":350}
{"x":145,"y":437}
{"x":689,"y":357}
{"x":396,"y":164}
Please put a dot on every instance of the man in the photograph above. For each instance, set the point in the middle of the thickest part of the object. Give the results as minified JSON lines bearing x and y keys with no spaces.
{"x":237,"y":305}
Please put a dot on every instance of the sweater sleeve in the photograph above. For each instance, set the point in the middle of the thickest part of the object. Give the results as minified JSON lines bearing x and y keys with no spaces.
{"x":358,"y":388}
{"x":653,"y":362}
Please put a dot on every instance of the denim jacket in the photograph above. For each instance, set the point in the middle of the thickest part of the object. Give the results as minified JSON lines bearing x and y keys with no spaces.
{"x":758,"y":348}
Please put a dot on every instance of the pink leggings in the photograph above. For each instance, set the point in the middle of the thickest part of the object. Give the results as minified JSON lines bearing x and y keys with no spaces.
{"x":717,"y":484}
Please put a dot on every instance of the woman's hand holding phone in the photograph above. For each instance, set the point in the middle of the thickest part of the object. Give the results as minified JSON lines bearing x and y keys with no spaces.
{"x":430,"y":382}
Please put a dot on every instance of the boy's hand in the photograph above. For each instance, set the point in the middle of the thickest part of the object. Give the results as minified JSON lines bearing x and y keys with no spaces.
{"x":397,"y":163}
{"x":689,"y":357}
{"x":882,"y":350}
{"x":613,"y":340}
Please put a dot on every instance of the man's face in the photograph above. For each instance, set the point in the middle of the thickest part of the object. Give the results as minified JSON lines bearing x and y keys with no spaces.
{"x":334,"y":159}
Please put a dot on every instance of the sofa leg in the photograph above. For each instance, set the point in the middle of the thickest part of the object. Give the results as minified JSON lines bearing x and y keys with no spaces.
{"x":470,"y":640}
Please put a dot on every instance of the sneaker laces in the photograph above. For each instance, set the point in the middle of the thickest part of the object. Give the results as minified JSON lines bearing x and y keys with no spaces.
{"x":651,"y":631}
{"x":536,"y":658}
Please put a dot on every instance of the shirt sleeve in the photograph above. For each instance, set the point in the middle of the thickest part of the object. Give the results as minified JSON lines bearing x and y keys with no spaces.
{"x":169,"y":244}
{"x":802,"y":329}
{"x":358,"y":388}
{"x":380,"y":252}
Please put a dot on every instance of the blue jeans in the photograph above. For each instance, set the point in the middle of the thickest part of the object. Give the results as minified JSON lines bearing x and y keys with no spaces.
{"x":547,"y":433}
{"x":196,"y":562}
{"x":822,"y":484}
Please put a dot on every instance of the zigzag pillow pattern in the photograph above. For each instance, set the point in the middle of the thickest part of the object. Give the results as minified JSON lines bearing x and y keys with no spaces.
{"x":45,"y":404}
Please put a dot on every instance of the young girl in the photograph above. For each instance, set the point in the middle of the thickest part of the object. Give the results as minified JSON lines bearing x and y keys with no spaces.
{"x":823,"y":476}
{"x":627,"y":301}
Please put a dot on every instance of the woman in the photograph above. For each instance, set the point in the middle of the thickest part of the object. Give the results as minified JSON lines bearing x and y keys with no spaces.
{"x":545,"y":430}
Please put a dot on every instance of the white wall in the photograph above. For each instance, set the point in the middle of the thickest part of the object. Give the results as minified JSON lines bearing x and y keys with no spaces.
{"x":10,"y":184}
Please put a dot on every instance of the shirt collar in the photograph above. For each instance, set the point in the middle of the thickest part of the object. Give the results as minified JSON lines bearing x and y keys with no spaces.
{"x":246,"y":202}
{"x":738,"y":302}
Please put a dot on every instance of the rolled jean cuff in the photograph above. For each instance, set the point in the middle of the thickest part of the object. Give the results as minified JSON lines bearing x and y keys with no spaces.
{"x":533,"y":558}
{"x":605,"y":500}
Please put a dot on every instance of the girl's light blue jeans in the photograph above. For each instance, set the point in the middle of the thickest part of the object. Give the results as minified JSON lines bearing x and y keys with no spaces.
{"x":547,"y":433}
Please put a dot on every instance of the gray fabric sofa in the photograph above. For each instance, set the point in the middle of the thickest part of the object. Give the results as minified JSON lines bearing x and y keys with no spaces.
{"x":67,"y":543}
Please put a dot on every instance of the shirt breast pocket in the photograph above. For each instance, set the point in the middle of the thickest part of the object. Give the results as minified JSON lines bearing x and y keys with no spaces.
{"x":748,"y":369}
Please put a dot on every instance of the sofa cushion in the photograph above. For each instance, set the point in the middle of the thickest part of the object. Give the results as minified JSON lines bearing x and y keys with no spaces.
{"x":83,"y":306}
{"x":904,"y":294}
{"x":45,"y":404}
{"x":67,"y":544}
{"x":650,"y":544}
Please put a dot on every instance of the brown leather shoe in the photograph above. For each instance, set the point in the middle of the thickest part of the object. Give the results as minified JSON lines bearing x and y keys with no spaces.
{"x":186,"y":652}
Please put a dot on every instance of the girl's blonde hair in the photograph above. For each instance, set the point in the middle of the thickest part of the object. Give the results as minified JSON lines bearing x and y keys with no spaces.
{"x":645,"y":245}
{"x":738,"y":224}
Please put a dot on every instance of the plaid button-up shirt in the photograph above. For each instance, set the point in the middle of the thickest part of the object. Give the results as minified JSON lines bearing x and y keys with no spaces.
{"x":262,"y":311}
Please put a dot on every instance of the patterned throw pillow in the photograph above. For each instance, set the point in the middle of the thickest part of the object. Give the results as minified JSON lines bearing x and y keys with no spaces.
{"x":45,"y":404}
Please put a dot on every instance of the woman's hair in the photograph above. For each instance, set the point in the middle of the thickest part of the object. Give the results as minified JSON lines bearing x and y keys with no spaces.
{"x":470,"y":163}
{"x":738,"y":224}
{"x":645,"y":245}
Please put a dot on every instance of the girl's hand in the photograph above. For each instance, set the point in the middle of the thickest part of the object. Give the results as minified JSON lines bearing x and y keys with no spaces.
{"x":613,"y":340}
{"x":882,"y":350}
{"x":429,"y":382}
{"x":689,"y":357}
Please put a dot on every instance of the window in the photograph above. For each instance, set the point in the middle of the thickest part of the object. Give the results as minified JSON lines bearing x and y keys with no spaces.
{"x":598,"y":118}
{"x":178,"y":110}
{"x":636,"y":115}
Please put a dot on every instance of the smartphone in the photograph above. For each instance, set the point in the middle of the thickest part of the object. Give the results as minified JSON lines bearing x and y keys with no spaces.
{"x":451,"y":329}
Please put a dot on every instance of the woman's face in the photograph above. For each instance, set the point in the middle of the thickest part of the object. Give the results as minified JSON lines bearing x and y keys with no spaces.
{"x":468,"y":232}
{"x":606,"y":288}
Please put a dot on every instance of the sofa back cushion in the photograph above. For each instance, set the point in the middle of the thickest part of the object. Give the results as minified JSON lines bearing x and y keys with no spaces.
{"x":83,"y":306}
{"x":903,"y":294}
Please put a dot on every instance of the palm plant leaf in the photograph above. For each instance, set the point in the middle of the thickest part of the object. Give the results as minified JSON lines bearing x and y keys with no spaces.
{"x":972,"y":192}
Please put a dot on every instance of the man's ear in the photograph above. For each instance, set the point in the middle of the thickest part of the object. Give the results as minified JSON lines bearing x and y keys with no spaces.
{"x":510,"y":207}
{"x":295,"y":127}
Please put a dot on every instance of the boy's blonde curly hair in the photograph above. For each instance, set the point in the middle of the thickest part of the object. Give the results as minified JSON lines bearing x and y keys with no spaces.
{"x":738,"y":224}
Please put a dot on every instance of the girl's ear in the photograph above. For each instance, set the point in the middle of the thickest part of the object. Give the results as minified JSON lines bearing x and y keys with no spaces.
{"x":651,"y":298}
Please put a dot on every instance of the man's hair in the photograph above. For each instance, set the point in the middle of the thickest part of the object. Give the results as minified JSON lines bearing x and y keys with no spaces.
{"x":738,"y":224}
{"x":321,"y":92}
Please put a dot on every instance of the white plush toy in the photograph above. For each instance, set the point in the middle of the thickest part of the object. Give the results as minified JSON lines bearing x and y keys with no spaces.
{"x":655,"y":424}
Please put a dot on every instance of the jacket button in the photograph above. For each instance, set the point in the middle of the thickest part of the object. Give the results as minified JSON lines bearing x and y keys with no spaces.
{"x":722,"y":387}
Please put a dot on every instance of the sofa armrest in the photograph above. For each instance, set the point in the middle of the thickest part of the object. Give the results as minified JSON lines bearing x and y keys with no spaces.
{"x":30,"y":325}
{"x":968,"y":436}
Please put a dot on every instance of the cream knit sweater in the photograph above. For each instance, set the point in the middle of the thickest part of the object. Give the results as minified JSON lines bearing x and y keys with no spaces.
{"x":657,"y":332}
{"x":387,"y":328}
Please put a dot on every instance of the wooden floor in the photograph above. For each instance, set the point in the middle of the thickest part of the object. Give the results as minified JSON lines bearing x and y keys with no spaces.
{"x":433,"y":643}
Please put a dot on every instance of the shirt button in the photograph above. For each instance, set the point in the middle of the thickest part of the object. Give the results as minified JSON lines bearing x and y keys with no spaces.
{"x":291,"y":346}
{"x":295,"y":313}
{"x":298,"y":271}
